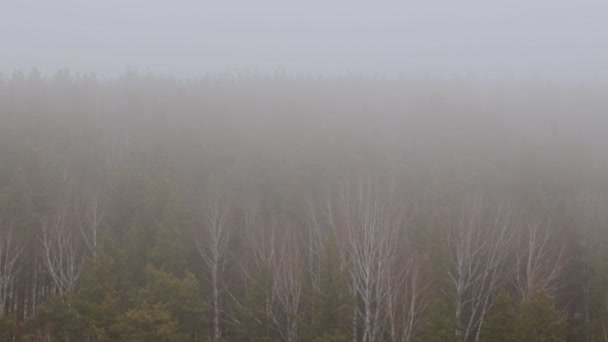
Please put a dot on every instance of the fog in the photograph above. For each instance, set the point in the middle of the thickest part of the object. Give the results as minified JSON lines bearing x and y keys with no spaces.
{"x":187,"y":171}
{"x":557,"y":40}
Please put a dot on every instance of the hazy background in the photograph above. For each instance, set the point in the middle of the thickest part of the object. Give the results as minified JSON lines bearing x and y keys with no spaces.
{"x":547,"y":39}
{"x":300,"y":196}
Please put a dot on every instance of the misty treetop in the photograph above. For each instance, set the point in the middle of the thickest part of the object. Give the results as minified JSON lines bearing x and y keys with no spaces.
{"x":273,"y":207}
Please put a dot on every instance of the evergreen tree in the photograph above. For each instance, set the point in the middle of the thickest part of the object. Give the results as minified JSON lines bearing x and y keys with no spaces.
{"x":254,"y":321}
{"x":173,"y":307}
{"x":539,"y":321}
{"x":500,"y":324}
{"x":149,"y":322}
{"x":440,"y":325}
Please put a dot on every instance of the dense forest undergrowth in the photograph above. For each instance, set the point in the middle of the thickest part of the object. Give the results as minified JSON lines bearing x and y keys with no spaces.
{"x":246,"y":207}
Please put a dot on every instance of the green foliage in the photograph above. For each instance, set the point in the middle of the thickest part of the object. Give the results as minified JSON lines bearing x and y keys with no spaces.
{"x":180,"y":297}
{"x":255,"y":321}
{"x":440,"y":325}
{"x":539,"y":321}
{"x":104,"y":318}
{"x":167,"y":308}
{"x":149,"y":322}
{"x":60,"y":318}
{"x":7,"y":327}
{"x":500,"y":323}
{"x":107,"y":275}
{"x":102,"y":299}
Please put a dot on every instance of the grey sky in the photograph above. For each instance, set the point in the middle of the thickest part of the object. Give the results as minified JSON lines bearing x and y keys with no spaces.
{"x":556,"y":39}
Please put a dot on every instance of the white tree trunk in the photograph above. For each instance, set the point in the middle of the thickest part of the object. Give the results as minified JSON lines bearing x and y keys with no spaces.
{"x":212,"y":245}
{"x":538,"y":265}
{"x":480,"y":241}
{"x":367,"y":221}
{"x":9,"y":255}
{"x":62,"y":249}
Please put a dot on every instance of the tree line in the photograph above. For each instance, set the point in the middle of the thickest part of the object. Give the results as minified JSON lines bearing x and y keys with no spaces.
{"x":248,"y":207}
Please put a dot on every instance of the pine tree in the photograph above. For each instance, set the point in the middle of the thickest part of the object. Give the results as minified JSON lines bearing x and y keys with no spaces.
{"x":173,"y":302}
{"x":500,"y":324}
{"x":254,"y":322}
{"x":149,"y":322}
{"x":440,"y":325}
{"x":539,"y":321}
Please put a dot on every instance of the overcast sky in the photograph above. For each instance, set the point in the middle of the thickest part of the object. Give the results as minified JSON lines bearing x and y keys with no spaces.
{"x":554,"y":39}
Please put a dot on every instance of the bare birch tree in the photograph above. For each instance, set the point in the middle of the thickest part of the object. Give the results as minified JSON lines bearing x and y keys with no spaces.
{"x":62,"y":250}
{"x":314,"y":247}
{"x":538,"y":264}
{"x":406,"y":305}
{"x":367,"y":224}
{"x":91,"y":211}
{"x":261,"y":244}
{"x":480,"y":240}
{"x":212,"y":248}
{"x":261,"y":241}
{"x":9,"y":255}
{"x":287,"y":289}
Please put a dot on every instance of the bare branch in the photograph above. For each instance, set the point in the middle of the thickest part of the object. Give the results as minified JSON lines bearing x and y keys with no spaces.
{"x":10,"y":252}
{"x":212,"y":249}
{"x":480,"y":240}
{"x":62,"y":251}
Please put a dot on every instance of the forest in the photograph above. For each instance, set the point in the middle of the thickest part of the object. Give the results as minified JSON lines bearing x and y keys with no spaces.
{"x":251,"y":206}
